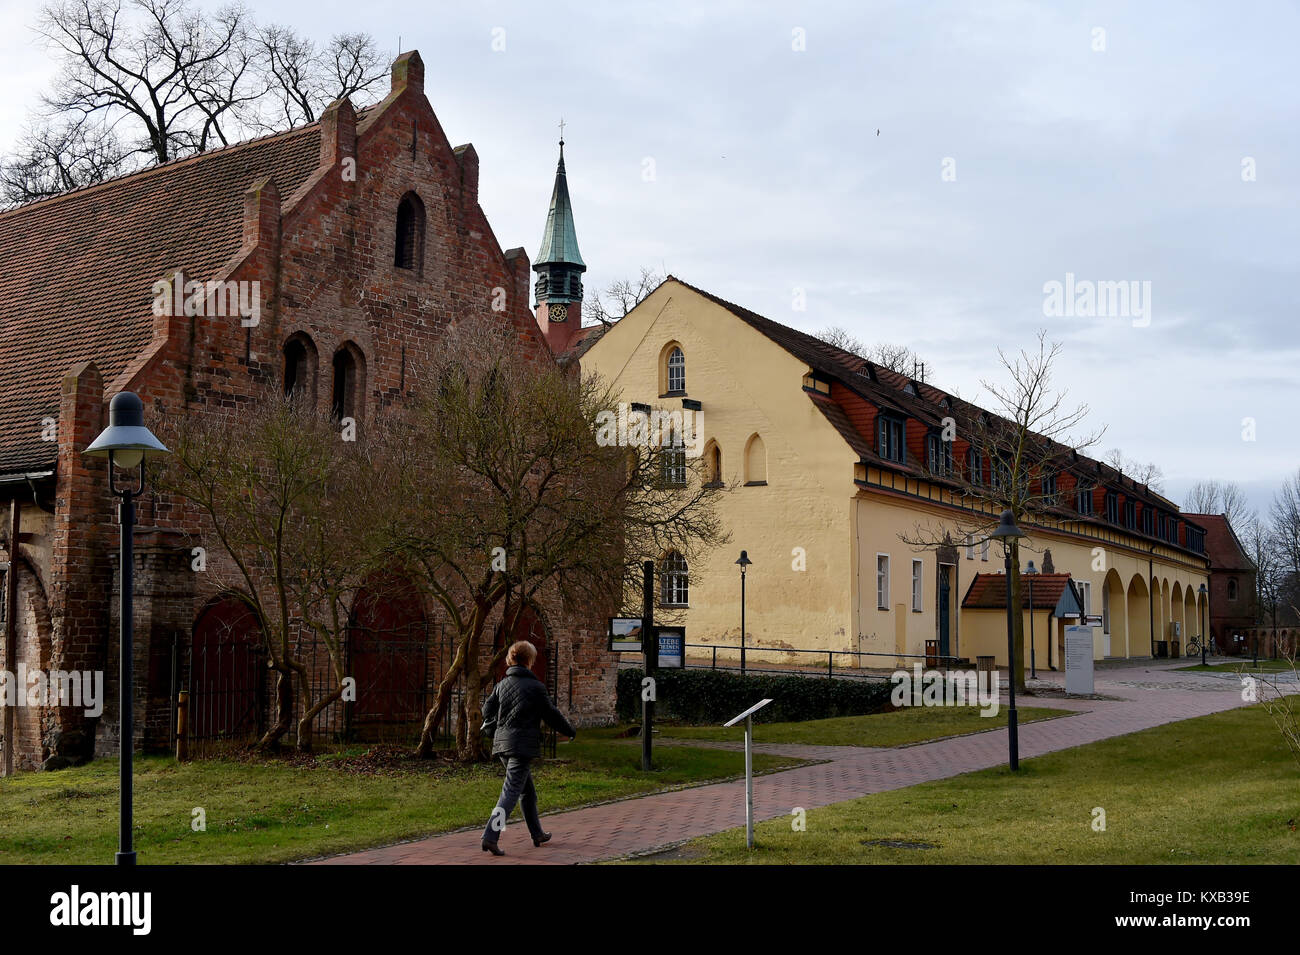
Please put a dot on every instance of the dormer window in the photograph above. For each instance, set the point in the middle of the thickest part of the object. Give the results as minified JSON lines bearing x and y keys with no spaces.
{"x":890,"y":435}
{"x":1112,"y":507}
{"x":974,"y":467}
{"x":939,"y":455}
{"x":1083,"y":499}
{"x":910,"y":389}
{"x":1049,"y":489}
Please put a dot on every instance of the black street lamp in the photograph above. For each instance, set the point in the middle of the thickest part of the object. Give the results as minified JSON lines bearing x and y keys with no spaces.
{"x":744,"y":562}
{"x":125,"y":442}
{"x":1032,"y":572}
{"x":1007,"y":531}
{"x":1203,"y":592}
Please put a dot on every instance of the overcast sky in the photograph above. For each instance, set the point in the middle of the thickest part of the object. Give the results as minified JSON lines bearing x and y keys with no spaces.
{"x":735,"y":145}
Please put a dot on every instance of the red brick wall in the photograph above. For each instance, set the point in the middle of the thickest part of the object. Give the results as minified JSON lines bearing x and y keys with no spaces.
{"x":324,"y":259}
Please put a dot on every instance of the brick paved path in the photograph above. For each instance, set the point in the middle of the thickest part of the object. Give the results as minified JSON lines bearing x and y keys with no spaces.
{"x":1146,"y":695}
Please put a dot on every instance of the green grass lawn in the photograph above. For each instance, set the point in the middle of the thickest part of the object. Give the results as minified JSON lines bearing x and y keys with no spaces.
{"x":894,"y":728}
{"x":1217,"y":789}
{"x":275,"y":811}
{"x":1243,"y":665}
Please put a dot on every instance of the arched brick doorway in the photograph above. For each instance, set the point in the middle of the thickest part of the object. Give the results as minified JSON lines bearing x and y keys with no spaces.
{"x":528,"y":626}
{"x":225,"y":682}
{"x":388,"y":652}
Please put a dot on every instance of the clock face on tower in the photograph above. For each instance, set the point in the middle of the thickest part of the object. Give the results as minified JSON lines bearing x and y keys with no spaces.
{"x":559,"y":312}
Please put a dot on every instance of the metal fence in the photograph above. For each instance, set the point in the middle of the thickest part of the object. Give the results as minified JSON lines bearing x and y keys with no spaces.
{"x":815,"y":665}
{"x":231,"y":692}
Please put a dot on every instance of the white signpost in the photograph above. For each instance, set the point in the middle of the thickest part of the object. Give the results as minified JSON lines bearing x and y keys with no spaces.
{"x":748,"y":717}
{"x":1078,"y":661}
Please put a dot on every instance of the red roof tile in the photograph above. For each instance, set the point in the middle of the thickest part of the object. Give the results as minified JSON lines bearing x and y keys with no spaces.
{"x":79,"y":270}
{"x":989,"y":591}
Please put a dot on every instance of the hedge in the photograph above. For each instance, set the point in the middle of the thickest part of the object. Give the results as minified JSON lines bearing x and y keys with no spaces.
{"x":714,"y":696}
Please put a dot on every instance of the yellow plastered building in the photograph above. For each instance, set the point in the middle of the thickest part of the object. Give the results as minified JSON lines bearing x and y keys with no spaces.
{"x":832,"y":464}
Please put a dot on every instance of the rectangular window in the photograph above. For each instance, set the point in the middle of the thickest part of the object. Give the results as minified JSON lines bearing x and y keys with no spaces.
{"x":970,"y":548}
{"x":882,"y":581}
{"x":1083,"y":500}
{"x":1130,"y":515}
{"x":984,"y":549}
{"x":917,"y":586}
{"x":1112,"y":507}
{"x":891,"y":439}
{"x":1148,"y":522}
{"x":1086,"y":587}
{"x":1049,"y":488}
{"x":974,"y":467}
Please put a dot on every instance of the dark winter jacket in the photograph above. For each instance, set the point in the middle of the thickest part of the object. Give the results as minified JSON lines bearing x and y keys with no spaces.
{"x":514,"y":711}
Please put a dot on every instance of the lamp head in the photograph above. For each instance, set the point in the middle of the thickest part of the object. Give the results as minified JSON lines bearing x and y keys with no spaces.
{"x":126,"y":437}
{"x":1007,"y":529}
{"x":744,"y":561}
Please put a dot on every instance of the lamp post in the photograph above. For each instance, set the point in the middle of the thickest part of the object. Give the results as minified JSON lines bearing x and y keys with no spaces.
{"x":1032,"y":572}
{"x":1203,"y":592}
{"x":1007,"y":531}
{"x":744,"y":562}
{"x":125,"y":442}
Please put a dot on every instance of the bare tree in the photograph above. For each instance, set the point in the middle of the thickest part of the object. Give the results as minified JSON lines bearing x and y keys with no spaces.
{"x":897,"y":358}
{"x":147,"y":81}
{"x":1017,"y":454}
{"x":160,"y":69}
{"x":288,"y":514}
{"x":52,"y":158}
{"x":1285,"y":515}
{"x":1217,"y":497}
{"x":620,"y":297}
{"x":302,"y":79}
{"x":507,"y":495}
{"x":1149,"y":474}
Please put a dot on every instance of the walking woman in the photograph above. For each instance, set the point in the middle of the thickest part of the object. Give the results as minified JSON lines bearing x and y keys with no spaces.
{"x":513,"y":714}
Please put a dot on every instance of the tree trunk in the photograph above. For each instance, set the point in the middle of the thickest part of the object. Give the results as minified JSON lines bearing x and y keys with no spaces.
{"x":283,"y":710}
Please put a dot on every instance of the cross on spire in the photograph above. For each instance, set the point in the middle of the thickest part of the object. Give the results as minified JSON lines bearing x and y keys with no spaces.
{"x":562,"y":124}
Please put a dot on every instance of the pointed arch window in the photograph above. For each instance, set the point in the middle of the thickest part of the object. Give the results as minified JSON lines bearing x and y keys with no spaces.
{"x":676,"y":370}
{"x":713,"y":464}
{"x":755,"y":462}
{"x":300,"y":368}
{"x":408,"y":249}
{"x":348,"y":382}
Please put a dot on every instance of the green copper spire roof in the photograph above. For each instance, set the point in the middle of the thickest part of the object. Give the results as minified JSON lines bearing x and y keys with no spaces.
{"x":560,"y":240}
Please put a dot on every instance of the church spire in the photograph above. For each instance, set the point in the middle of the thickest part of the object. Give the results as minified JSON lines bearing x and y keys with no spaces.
{"x":559,"y":267}
{"x":560,"y":238}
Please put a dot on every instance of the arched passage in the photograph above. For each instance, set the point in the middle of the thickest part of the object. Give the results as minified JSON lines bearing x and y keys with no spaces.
{"x":528,"y":626}
{"x":1115,"y":614}
{"x":225,"y":671}
{"x":1138,"y":601}
{"x":1177,"y":619}
{"x":388,"y":652}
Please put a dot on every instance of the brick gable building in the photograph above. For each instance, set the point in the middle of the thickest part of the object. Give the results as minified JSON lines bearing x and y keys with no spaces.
{"x":365,"y":239}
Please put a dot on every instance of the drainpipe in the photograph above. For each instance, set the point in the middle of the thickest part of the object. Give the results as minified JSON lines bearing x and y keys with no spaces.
{"x":10,"y":634}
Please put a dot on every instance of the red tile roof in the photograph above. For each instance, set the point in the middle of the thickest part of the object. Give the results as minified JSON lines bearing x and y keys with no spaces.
{"x":884,"y":389}
{"x":1225,"y":550}
{"x":989,"y":591}
{"x":79,"y":270}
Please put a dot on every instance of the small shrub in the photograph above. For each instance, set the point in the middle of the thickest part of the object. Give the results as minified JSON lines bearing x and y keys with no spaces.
{"x":715,"y":696}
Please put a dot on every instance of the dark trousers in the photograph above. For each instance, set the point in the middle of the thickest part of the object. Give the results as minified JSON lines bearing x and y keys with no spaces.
{"x":518,"y":788}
